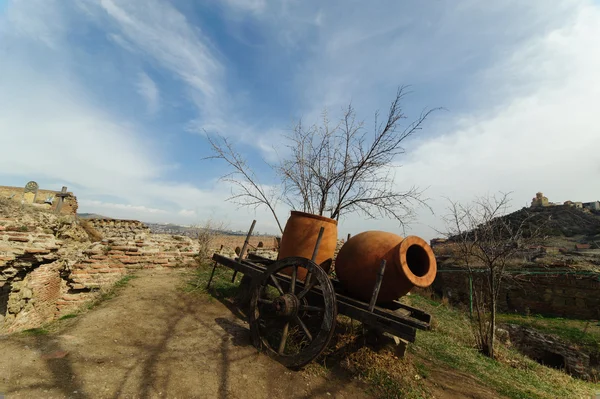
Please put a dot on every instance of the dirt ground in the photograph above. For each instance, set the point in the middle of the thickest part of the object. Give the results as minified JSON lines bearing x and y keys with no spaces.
{"x":154,"y":340}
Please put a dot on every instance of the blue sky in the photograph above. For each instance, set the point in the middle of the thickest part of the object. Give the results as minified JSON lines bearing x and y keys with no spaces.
{"x":112,"y":98}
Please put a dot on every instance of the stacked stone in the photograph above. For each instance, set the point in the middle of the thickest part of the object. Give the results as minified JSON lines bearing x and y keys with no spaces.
{"x":123,"y":229}
{"x":42,"y":277}
{"x":30,"y":282}
{"x":550,"y":350}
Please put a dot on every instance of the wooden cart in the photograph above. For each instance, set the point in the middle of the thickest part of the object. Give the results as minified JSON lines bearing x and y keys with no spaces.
{"x":293,"y":320}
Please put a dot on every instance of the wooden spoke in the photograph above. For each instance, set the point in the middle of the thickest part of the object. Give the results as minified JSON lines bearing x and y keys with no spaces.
{"x":293,"y":282}
{"x":309,"y":308}
{"x":283,"y":338}
{"x":307,"y":288}
{"x":276,"y":284}
{"x":292,"y":336}
{"x":304,"y":328}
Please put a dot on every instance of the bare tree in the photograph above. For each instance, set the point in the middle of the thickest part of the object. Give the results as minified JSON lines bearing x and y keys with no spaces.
{"x":334,"y":169}
{"x":342,"y":168}
{"x":486,"y":240}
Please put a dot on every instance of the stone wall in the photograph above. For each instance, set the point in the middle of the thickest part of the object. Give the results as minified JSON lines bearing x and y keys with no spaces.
{"x":49,"y":269}
{"x":572,"y":296}
{"x":551,"y":351}
{"x":109,"y":260}
{"x":69,"y":207}
{"x":125,"y":229}
{"x":29,"y":280}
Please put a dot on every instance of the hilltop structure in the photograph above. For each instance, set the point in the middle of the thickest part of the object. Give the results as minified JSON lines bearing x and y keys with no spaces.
{"x":539,"y":201}
{"x":62,"y":202}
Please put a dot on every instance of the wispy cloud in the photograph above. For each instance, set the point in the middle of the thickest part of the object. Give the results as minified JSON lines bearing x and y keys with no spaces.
{"x":149,"y":92}
{"x":519,"y":80}
{"x":166,"y":37}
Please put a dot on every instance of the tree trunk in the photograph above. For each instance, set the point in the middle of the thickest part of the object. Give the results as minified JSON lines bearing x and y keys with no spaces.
{"x":492,"y":335}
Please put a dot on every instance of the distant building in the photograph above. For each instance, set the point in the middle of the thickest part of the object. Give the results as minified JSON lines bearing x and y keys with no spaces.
{"x":578,"y":205}
{"x":539,"y":201}
{"x":594,"y":206}
{"x":581,"y":247}
{"x":436,"y":241}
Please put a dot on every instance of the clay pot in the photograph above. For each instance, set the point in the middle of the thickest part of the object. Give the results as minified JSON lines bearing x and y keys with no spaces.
{"x":409,"y":263}
{"x":300,"y":236}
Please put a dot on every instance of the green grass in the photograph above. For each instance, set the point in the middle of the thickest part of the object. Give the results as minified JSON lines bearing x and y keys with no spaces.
{"x":221,"y":285}
{"x":581,"y":333}
{"x":112,"y":291}
{"x":123,"y":281}
{"x":451,"y":344}
{"x":68,"y":316}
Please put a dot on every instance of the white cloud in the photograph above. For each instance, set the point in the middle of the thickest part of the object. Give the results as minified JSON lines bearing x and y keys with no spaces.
{"x":149,"y":91}
{"x":527,"y":121}
{"x":53,"y":130}
{"x":164,"y":35}
{"x":541,"y":137}
{"x":187,"y":213}
{"x":127,"y":208}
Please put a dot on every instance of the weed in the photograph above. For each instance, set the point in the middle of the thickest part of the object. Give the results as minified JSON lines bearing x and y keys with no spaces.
{"x":106,"y":294}
{"x":68,"y":316}
{"x":221,"y":285}
{"x":581,"y":333}
{"x":451,"y":345}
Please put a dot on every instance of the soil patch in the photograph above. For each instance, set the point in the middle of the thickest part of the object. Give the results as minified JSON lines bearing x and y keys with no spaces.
{"x":154,"y":340}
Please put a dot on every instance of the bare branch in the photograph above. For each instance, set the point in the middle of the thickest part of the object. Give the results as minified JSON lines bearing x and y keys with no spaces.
{"x":250,"y":191}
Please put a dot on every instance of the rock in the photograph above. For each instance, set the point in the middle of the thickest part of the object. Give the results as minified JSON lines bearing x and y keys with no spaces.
{"x":549,"y":350}
{"x":380,"y":340}
{"x":502,"y":336}
{"x":26,"y":293}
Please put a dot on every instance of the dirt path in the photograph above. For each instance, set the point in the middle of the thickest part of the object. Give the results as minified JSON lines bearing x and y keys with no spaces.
{"x":153,"y":340}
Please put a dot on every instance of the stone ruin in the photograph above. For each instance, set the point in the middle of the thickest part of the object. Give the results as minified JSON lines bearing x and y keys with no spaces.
{"x":61,"y":202}
{"x":549,"y":350}
{"x":115,"y":228}
{"x":49,"y":267}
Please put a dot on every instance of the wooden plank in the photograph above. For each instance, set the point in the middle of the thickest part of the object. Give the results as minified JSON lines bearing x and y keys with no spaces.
{"x":380,"y":322}
{"x":385,"y":319}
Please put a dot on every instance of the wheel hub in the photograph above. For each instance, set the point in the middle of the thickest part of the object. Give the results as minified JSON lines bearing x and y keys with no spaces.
{"x":286,"y":305}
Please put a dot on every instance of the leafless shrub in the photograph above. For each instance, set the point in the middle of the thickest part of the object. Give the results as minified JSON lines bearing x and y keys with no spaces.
{"x":485,"y":240}
{"x":206,"y":234}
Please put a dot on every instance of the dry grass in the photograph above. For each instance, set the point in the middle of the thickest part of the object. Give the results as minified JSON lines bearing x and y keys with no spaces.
{"x":450,"y":345}
{"x":447,"y":349}
{"x":92,"y":233}
{"x":230,"y":242}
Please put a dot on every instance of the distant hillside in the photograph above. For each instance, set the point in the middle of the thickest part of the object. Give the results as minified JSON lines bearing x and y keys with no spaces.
{"x":91,"y":216}
{"x":189,"y":231}
{"x":562,"y":222}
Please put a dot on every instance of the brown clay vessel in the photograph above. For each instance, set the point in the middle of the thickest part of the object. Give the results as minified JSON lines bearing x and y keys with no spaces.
{"x":300,"y":236}
{"x":409,"y":263}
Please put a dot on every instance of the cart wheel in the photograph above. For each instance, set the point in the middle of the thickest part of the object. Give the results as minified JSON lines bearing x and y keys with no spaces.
{"x":292,"y":321}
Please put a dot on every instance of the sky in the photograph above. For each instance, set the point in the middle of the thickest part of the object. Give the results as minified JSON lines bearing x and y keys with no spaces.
{"x":114,"y":99}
